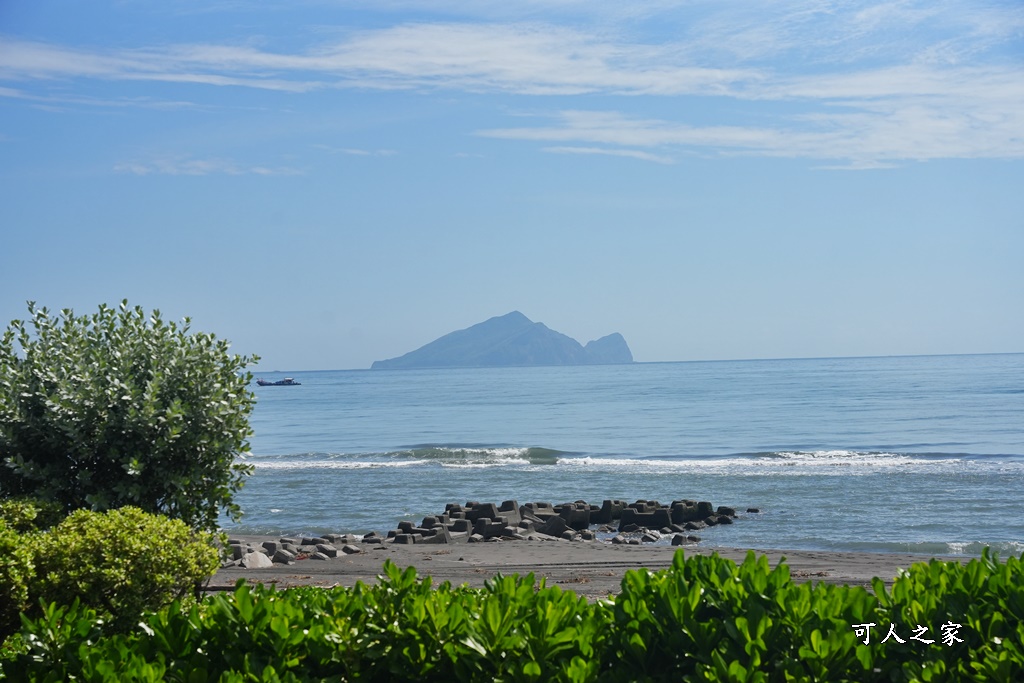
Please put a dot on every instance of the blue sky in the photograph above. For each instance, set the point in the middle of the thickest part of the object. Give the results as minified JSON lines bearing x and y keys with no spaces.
{"x":328,"y":183}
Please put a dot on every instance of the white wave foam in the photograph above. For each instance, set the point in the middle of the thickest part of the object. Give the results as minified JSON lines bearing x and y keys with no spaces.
{"x":843,"y":458}
{"x":460,"y":458}
{"x":631,"y":463}
{"x":839,"y":462}
{"x":500,"y":453}
{"x":333,"y":464}
{"x":1003,"y":549}
{"x":783,"y":462}
{"x":461,"y":453}
{"x":484,"y":465}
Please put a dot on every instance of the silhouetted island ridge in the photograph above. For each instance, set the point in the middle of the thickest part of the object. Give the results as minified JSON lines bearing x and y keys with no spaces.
{"x":510,"y":340}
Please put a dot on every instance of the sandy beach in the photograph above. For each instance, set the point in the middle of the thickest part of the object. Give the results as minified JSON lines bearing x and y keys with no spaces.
{"x":591,"y":569}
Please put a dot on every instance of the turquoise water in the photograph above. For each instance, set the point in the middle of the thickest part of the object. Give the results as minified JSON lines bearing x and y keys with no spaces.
{"x":910,"y":454}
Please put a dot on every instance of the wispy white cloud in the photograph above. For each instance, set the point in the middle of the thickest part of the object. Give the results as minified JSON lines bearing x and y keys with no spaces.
{"x":201,"y":167}
{"x":870,"y":82}
{"x":523,"y":59}
{"x":891,"y":133}
{"x":605,"y":151}
{"x":516,"y":58}
{"x":63,"y":101}
{"x":11,"y":92}
{"x":59,"y":102}
{"x":22,"y":60}
{"x":822,"y":32}
{"x":350,"y":151}
{"x":986,"y":84}
{"x":615,"y":128}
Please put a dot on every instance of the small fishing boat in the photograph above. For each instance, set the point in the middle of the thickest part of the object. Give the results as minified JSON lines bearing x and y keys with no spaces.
{"x":286,"y":382}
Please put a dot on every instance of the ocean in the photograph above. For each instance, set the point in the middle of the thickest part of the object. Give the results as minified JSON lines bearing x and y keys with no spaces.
{"x":921,"y":454}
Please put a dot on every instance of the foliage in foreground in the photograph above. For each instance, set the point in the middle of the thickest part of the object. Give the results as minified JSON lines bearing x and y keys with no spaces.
{"x":28,"y":514}
{"x":121,"y":564}
{"x":122,"y":408}
{"x":16,"y":571}
{"x":705,"y":618}
{"x":19,"y":518}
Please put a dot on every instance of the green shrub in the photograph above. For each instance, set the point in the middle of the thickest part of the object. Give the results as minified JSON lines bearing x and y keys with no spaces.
{"x":121,"y":562}
{"x":984,"y":598}
{"x":16,"y":572}
{"x":403,"y":629}
{"x":703,"y":619}
{"x":120,"y":408}
{"x":708,"y":618}
{"x":28,"y":514}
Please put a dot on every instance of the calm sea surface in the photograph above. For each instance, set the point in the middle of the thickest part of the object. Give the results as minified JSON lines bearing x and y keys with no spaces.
{"x":904,"y":454}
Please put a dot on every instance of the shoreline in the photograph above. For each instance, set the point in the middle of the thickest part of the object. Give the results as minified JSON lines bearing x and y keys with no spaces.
{"x":590,"y":569}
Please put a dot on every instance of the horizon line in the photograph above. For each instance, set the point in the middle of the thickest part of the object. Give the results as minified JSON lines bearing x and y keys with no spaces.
{"x":665,"y":362}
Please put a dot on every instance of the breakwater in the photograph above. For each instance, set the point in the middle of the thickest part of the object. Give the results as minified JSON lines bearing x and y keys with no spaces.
{"x":614,"y":521}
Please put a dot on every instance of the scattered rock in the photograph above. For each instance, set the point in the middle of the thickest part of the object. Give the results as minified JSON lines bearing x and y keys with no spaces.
{"x":643,"y":521}
{"x":554,"y":526}
{"x":327,"y":549}
{"x":283,"y":556}
{"x":256,"y":560}
{"x":313,"y":540}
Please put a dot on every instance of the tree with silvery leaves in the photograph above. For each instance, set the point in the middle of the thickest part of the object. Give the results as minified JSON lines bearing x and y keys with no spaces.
{"x":123,"y":408}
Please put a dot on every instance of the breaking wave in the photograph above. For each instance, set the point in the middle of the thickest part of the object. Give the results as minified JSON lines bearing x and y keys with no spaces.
{"x":774,"y":463}
{"x":458,"y":456}
{"x":783,"y":462}
{"x":1003,"y":549}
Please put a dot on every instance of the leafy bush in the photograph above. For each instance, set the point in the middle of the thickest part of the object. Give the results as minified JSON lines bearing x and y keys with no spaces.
{"x":708,"y":619}
{"x":28,"y":514}
{"x":984,"y":597}
{"x":703,"y":619}
{"x":403,"y":629}
{"x":122,"y":562}
{"x":16,"y":572}
{"x":120,"y":408}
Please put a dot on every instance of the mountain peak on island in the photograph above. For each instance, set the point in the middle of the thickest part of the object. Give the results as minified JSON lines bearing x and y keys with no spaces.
{"x":510,"y":340}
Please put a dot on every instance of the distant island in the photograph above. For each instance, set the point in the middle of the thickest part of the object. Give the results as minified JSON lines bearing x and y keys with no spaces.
{"x":510,"y":340}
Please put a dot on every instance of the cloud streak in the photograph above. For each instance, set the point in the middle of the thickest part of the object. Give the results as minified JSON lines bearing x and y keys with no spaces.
{"x":200,"y":167}
{"x":892,"y":133}
{"x":628,"y":153}
{"x":853,"y":94}
{"x":520,"y":59}
{"x":355,"y":152}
